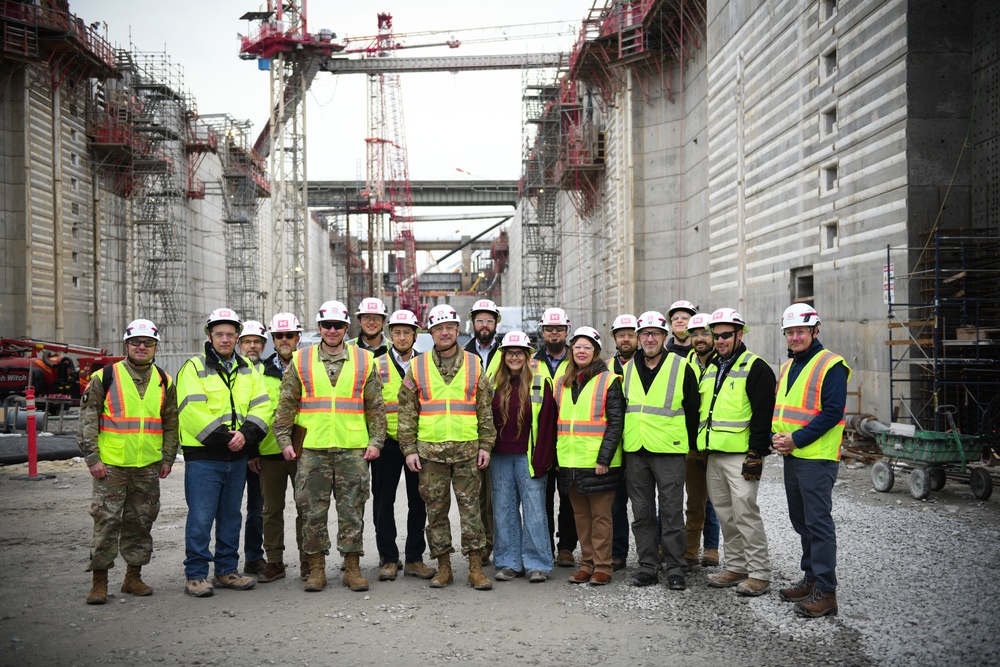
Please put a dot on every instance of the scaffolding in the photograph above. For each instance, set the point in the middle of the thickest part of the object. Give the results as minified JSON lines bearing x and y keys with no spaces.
{"x":944,"y":339}
{"x":243,"y":185}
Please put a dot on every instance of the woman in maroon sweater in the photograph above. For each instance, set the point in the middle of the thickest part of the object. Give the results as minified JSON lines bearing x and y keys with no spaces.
{"x":524,"y":412}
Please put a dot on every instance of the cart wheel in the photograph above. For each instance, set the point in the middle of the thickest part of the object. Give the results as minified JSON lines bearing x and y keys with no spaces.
{"x":937,"y":477}
{"x":981,"y":483}
{"x":882,"y":476}
{"x":920,"y":484}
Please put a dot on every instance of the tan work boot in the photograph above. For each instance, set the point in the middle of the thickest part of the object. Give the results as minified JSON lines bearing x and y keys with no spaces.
{"x":819,"y":603}
{"x":800,"y":590}
{"x":419,"y":570}
{"x":303,"y":567}
{"x":726,"y":578}
{"x":198,"y":588}
{"x":316,"y":580}
{"x":99,"y":591}
{"x":388,"y":571}
{"x":752,"y":587}
{"x":133,"y":582}
{"x":444,"y":575}
{"x":477,"y":579}
{"x":352,"y":573}
{"x":710,"y":558}
{"x":234,"y":581}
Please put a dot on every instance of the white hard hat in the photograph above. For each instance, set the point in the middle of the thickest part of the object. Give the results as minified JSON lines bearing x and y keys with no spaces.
{"x":403,"y":317}
{"x":253,"y":328}
{"x":485,"y":306}
{"x":799,"y":315}
{"x":554,"y":317}
{"x":682,"y":305}
{"x":285,"y":322}
{"x":440,"y":314}
{"x":587,"y":332}
{"x":220,"y":315}
{"x":515,"y":339}
{"x":625,"y":321}
{"x":333,"y":311}
{"x":372,"y":306}
{"x":699,"y":321}
{"x":652,"y":319}
{"x":728,"y":316}
{"x":137,"y":328}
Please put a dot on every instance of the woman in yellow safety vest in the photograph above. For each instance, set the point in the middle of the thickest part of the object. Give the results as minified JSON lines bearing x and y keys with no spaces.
{"x":524,"y":413}
{"x":589,"y":430}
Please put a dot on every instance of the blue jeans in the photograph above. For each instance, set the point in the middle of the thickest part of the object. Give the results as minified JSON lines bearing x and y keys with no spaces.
{"x":809,"y":490}
{"x":253,"y":531}
{"x":214,"y":493}
{"x":711,"y":530}
{"x":521,"y":532}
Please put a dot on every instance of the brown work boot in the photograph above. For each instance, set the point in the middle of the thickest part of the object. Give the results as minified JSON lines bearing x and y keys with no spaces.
{"x":710,"y":558}
{"x":352,"y":573}
{"x":565,"y":559}
{"x":444,"y":575}
{"x":800,"y":590}
{"x":388,"y":571}
{"x":819,"y":603}
{"x":99,"y":591}
{"x":316,"y":580}
{"x":477,"y":579}
{"x":752,"y":587}
{"x":419,"y":570}
{"x":726,"y":578}
{"x":235,"y":581}
{"x":303,"y":567}
{"x":271,"y":572}
{"x":133,"y":582}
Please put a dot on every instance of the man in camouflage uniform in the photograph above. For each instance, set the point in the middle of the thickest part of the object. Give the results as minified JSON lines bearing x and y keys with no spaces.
{"x":129,"y":445}
{"x":333,"y":391}
{"x":436,"y":401}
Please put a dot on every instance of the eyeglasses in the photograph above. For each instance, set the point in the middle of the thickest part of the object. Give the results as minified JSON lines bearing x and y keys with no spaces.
{"x":516,"y":353}
{"x":339,"y":326}
{"x":651,"y":334}
{"x":725,"y":335}
{"x":284,"y":336}
{"x":553,"y":328}
{"x":481,"y":322}
{"x":135,"y":342}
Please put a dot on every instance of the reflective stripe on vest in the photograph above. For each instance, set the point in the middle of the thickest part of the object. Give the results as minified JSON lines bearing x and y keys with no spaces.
{"x":222,"y":401}
{"x":447,"y":411}
{"x":655,"y":421}
{"x":333,"y":416}
{"x":131,"y":428}
{"x":724,"y":424}
{"x":540,"y":367}
{"x":269,"y":445}
{"x":797,"y":406}
{"x":581,"y":424}
{"x":391,"y":382}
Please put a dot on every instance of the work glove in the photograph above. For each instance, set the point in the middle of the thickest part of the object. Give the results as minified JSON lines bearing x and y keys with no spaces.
{"x":753,"y":465}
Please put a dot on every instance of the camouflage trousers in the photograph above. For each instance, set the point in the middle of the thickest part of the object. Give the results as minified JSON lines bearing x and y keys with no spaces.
{"x":124,"y":506}
{"x":436,"y":483}
{"x":344,"y":473}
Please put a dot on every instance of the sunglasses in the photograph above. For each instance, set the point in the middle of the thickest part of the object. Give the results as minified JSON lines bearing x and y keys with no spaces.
{"x":339,"y":326}
{"x":283,"y":336}
{"x":553,"y":328}
{"x":132,"y":342}
{"x":725,"y":335}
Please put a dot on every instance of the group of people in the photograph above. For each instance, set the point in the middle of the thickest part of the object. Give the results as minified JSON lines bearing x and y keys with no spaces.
{"x":683,"y":408}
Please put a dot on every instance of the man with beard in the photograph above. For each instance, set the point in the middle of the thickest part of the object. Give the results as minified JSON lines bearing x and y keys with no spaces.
{"x":550,"y":362}
{"x":485,"y":316}
{"x":623,"y":332}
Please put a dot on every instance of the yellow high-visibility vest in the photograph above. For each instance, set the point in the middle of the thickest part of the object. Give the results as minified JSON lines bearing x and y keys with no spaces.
{"x":391,"y":383}
{"x":796,"y":407}
{"x":656,"y":421}
{"x":269,"y":445}
{"x":447,"y":411}
{"x":131,"y":428}
{"x":333,"y":416}
{"x":205,"y":401}
{"x":725,"y":426}
{"x":539,"y":367}
{"x":581,"y":424}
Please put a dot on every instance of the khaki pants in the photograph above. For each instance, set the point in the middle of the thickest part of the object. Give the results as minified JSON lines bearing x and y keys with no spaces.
{"x":594,"y":529}
{"x":735,"y":503}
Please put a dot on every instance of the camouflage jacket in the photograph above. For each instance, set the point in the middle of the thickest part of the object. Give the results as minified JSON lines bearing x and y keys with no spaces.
{"x":92,"y":405}
{"x":445,"y":452}
{"x":291,"y":392}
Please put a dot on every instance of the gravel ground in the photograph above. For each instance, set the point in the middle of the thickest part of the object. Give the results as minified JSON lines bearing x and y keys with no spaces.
{"x":919,"y":585}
